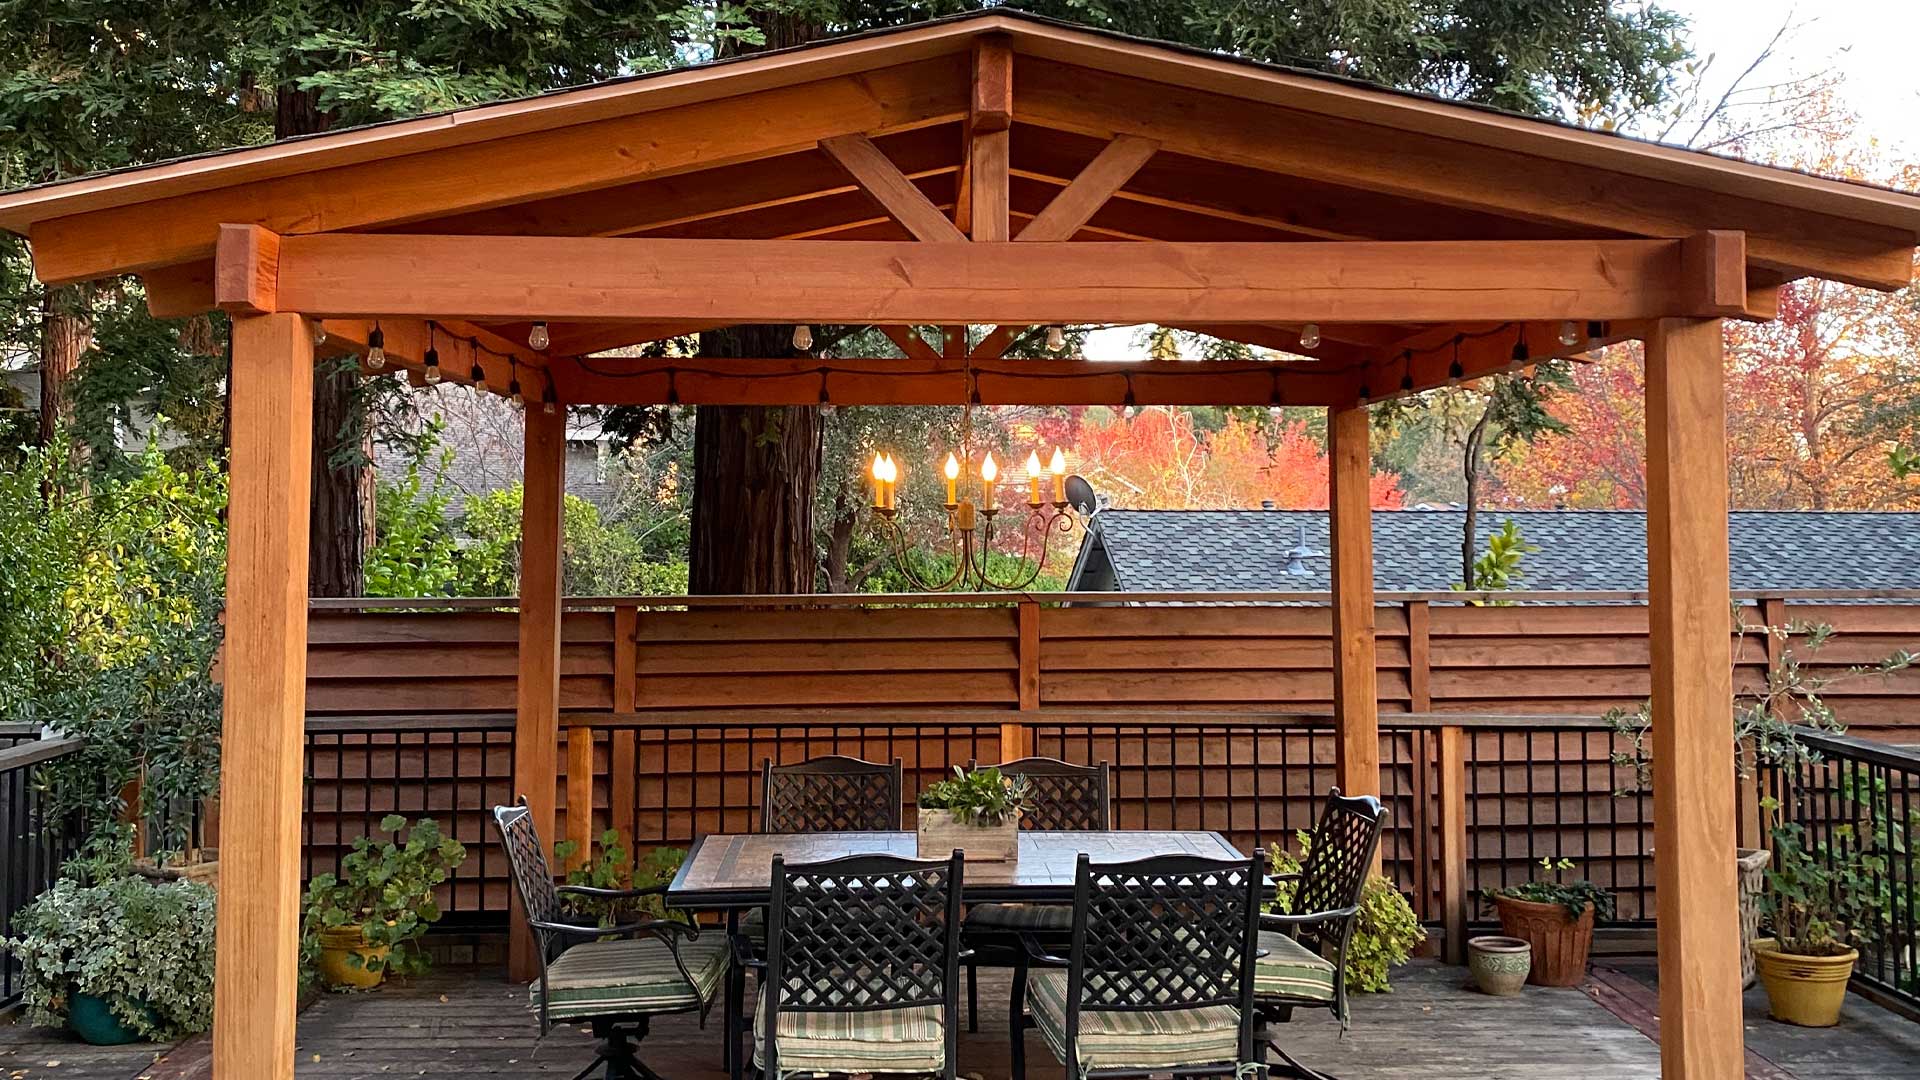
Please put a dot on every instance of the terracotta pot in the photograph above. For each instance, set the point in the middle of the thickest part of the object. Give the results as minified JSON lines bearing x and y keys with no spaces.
{"x":1804,"y":990}
{"x":347,"y":960}
{"x":1560,"y":943}
{"x":1499,"y":964}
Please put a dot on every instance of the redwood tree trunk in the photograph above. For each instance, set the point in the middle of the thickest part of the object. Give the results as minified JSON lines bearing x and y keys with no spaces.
{"x":66,"y":333}
{"x":755,"y":472}
{"x":340,"y":529}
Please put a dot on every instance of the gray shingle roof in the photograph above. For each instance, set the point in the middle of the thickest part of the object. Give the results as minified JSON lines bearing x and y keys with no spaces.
{"x":1419,"y":550}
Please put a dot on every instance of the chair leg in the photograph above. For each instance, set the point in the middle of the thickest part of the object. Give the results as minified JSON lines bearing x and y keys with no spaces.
{"x":1288,"y":1067}
{"x":1017,"y":1022}
{"x":973,"y":997}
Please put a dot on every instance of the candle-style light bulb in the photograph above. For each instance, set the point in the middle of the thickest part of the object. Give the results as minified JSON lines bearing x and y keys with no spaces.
{"x":879,"y":481}
{"x":989,"y":472}
{"x":1058,"y":467}
{"x":953,"y":480}
{"x":1033,"y":478}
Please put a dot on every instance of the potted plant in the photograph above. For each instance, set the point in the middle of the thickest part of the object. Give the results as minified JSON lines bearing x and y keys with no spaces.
{"x":118,"y":960}
{"x":1385,"y":932}
{"x":1555,"y":918}
{"x":365,"y":923}
{"x":976,"y":813}
{"x":1818,"y":902}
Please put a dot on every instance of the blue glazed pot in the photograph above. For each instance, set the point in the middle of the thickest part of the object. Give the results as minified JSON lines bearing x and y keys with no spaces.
{"x":94,"y":1022}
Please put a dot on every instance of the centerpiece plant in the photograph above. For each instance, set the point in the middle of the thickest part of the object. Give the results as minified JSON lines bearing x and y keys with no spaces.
{"x":368,"y":920}
{"x":976,"y":812}
{"x":1554,"y":916}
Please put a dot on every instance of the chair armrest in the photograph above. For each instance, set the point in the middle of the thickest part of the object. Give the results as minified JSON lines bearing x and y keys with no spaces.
{"x":664,"y":929}
{"x":1038,"y":954}
{"x":1309,"y":918}
{"x":1295,"y":876}
{"x":609,"y":894}
{"x":743,"y":953}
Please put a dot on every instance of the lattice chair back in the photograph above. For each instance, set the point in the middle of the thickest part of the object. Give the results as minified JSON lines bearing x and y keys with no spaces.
{"x":1066,"y":797}
{"x":862,"y":933}
{"x":1169,"y":932}
{"x":830,"y":794}
{"x":1339,"y":858}
{"x":532,"y":878}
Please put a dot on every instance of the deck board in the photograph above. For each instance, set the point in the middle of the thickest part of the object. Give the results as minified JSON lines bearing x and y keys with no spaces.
{"x":469,"y":1023}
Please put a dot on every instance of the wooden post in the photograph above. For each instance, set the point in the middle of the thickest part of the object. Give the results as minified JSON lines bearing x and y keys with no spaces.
{"x":580,"y":797}
{"x":989,"y":155}
{"x":256,"y":967}
{"x":1356,"y":705}
{"x":621,"y":754}
{"x":1419,"y":658}
{"x":1693,"y":767}
{"x":1016,"y":739}
{"x":1455,"y":898}
{"x":537,"y":720}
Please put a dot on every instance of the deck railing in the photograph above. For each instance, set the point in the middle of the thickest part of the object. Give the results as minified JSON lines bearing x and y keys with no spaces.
{"x":34,"y":847}
{"x":1862,"y":796}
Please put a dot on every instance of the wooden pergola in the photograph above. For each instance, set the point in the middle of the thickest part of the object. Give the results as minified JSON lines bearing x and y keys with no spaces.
{"x":997,"y":170}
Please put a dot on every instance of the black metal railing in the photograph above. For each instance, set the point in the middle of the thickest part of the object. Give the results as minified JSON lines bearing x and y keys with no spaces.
{"x":1864,"y":797}
{"x":33,"y":846}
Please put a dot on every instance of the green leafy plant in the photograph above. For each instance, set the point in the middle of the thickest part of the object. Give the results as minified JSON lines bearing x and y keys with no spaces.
{"x":386,"y":888}
{"x":144,"y":948}
{"x":1384,"y":934}
{"x":1822,"y":900}
{"x":612,"y":867}
{"x":1576,"y":896}
{"x":980,"y":797}
{"x":1498,"y":567}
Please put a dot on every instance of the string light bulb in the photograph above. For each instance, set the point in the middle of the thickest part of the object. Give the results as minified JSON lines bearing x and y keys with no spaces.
{"x":1310,"y":336}
{"x":1406,"y":383}
{"x":537,"y":337}
{"x":1521,"y":354}
{"x":432,"y":374}
{"x":513,"y":382}
{"x":319,"y":333}
{"x":376,"y":348}
{"x":802,"y":337}
{"x":478,"y":374}
{"x":1569,"y":334}
{"x":1056,"y":338}
{"x":547,"y":404}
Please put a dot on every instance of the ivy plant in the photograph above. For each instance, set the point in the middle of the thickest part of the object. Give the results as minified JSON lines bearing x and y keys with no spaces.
{"x":144,"y":948}
{"x":980,"y":797}
{"x":1385,"y":933}
{"x":385,"y":887}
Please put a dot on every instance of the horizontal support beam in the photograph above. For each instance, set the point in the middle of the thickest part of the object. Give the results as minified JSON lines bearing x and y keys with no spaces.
{"x":760,"y":281}
{"x":458,"y":344}
{"x":810,"y":381}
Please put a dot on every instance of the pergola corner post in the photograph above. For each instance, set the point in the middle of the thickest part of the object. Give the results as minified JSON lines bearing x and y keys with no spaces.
{"x":536,"y":731}
{"x":1356,"y":705}
{"x":256,"y":981}
{"x":1693,"y":759}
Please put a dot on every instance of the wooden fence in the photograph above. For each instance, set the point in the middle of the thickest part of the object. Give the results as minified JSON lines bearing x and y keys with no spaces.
{"x":1213,"y":716}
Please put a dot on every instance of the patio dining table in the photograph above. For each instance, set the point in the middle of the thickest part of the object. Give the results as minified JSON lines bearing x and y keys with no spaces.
{"x":734,"y":873}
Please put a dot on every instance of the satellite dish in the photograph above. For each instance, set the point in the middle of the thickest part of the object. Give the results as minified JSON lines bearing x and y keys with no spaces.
{"x":1080,"y":495}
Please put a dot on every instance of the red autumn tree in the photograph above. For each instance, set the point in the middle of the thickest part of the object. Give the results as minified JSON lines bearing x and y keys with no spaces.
{"x":1158,"y":459}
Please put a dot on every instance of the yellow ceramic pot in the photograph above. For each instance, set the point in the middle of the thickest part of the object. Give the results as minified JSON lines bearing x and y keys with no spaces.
{"x":1803,"y":990}
{"x":340,"y":944}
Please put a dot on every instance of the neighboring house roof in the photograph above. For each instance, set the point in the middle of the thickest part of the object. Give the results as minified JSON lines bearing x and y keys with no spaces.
{"x":1419,"y":550}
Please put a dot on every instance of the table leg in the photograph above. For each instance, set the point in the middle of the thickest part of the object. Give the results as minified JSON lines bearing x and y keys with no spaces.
{"x":736,"y":988}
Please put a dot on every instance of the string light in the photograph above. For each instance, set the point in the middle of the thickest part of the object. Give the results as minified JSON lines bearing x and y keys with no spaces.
{"x":376,"y":348}
{"x":478,"y":374}
{"x":1569,"y":334}
{"x":1310,"y":336}
{"x":432,"y":374}
{"x":802,"y":337}
{"x":319,"y":333}
{"x":1456,"y":371}
{"x":1365,"y":394}
{"x":1522,"y":354}
{"x":1406,"y":372}
{"x":1056,"y":338}
{"x":513,"y":382}
{"x":538,"y":338}
{"x":547,"y":404}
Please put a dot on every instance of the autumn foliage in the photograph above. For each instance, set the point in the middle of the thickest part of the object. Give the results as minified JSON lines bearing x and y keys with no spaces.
{"x":1160,"y":459}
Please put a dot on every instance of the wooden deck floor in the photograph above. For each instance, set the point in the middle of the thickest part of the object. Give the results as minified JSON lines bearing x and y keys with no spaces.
{"x":473,"y":1025}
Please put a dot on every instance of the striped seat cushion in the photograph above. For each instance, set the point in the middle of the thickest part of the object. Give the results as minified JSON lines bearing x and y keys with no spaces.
{"x":627,"y":977}
{"x":1052,"y":918}
{"x":1291,"y":970}
{"x":911,"y":1040}
{"x":1134,"y":1039}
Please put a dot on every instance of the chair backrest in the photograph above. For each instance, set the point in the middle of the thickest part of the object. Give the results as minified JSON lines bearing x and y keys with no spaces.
{"x":532,"y":878}
{"x":1168,"y":932}
{"x":863,"y":932}
{"x":1065,"y":797}
{"x":830,"y":794}
{"x":1339,"y":858}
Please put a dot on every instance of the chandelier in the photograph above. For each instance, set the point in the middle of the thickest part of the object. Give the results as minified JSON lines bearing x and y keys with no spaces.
{"x":971,"y":526}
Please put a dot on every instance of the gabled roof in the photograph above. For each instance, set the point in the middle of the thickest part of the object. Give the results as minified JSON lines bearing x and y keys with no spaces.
{"x":1419,"y":550}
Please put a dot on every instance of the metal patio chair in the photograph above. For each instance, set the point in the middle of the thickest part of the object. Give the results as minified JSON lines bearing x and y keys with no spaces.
{"x":861,"y":974}
{"x":830,"y":794}
{"x":616,"y":978}
{"x":1304,"y":961}
{"x":1066,"y":798}
{"x":1158,"y":977}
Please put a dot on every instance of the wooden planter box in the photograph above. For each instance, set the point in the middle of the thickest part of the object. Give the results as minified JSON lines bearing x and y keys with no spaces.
{"x":940,"y":836}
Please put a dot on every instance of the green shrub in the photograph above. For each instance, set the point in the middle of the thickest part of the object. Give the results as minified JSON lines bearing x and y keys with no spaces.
{"x":612,"y":868}
{"x":982,"y":796}
{"x":386,"y":888}
{"x":146,"y":949}
{"x":1384,"y":935}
